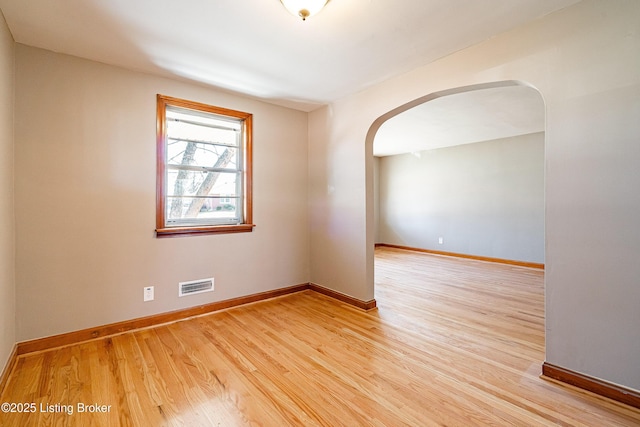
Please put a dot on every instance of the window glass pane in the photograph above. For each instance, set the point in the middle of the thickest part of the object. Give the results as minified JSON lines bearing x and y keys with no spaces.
{"x":191,"y":209}
{"x":202,"y":127}
{"x":201,"y":183}
{"x":187,"y":153}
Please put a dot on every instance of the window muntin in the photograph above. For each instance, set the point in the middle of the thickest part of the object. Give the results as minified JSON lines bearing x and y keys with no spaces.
{"x":204,"y":168}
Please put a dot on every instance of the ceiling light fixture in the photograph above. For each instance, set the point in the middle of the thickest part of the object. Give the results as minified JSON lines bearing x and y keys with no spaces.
{"x":304,"y":8}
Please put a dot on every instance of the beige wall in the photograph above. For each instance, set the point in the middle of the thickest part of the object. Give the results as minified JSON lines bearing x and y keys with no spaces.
{"x":484,"y":199}
{"x":7,"y":223}
{"x":585,"y":61}
{"x":85,"y":199}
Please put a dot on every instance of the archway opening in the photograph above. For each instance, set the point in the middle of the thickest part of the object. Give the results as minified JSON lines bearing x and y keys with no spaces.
{"x":460,"y":171}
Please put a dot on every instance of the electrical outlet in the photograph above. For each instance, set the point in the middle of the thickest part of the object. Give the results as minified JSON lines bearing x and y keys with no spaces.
{"x":440,"y":240}
{"x":148,"y":293}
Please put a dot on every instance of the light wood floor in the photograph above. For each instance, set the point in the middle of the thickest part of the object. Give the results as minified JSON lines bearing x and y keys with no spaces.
{"x":453,"y":343}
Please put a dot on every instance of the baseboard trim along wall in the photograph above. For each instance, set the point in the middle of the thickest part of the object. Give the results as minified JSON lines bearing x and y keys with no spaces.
{"x":594,"y":385}
{"x":476,"y":257}
{"x":8,"y":369}
{"x":364,"y":305}
{"x":75,"y":337}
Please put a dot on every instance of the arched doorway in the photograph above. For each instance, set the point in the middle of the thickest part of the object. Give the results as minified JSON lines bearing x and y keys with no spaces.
{"x":494,"y":111}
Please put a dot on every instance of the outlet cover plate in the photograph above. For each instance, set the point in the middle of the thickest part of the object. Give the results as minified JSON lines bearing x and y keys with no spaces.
{"x":148,"y":293}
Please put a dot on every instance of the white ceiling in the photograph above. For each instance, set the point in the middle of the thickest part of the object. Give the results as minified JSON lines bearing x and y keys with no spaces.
{"x":462,"y":118}
{"x":255,"y":47}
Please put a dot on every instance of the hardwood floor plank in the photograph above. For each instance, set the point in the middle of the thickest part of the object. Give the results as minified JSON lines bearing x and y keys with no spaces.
{"x":453,"y":342}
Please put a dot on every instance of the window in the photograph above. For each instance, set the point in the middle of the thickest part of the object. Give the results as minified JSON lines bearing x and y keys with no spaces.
{"x":203,"y":169}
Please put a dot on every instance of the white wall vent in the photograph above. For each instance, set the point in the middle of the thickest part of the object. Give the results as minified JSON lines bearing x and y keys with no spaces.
{"x":195,"y":287}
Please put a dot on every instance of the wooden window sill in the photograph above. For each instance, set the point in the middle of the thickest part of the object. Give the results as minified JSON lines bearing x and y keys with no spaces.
{"x":198,"y":231}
